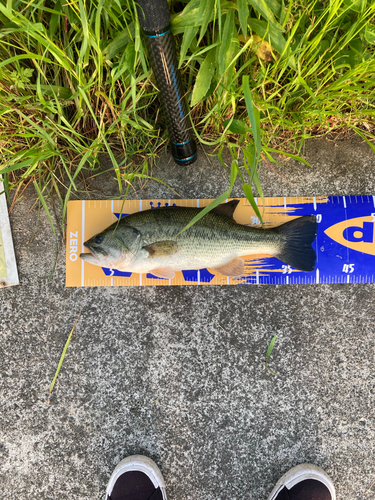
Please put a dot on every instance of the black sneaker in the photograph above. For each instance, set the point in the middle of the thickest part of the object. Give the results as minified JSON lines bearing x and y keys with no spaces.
{"x":304,"y":482}
{"x":136,"y":478}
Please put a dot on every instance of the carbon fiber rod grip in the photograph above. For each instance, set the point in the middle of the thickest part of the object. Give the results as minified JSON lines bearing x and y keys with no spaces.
{"x":154,"y":19}
{"x":153,"y":15}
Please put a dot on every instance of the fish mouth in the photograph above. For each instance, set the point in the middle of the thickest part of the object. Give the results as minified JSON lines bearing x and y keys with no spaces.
{"x":94,"y":251}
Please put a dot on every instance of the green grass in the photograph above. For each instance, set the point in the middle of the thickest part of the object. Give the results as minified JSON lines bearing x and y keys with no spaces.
{"x":261,"y":77}
{"x":269,"y":352}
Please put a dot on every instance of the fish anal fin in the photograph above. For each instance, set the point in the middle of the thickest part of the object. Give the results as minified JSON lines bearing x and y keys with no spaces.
{"x":164,"y":272}
{"x":161,"y":248}
{"x":234,"y":268}
{"x":227,"y":209}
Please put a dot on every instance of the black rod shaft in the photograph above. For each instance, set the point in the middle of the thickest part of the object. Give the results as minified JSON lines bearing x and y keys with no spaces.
{"x":154,"y":19}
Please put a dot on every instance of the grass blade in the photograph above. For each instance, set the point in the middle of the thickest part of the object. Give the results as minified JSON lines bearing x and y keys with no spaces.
{"x":289,"y":155}
{"x":249,"y":195}
{"x":204,"y":77}
{"x":229,"y":26}
{"x":205,"y":13}
{"x":189,"y":35}
{"x":43,"y":202}
{"x":253,"y":113}
{"x":237,"y":126}
{"x":220,"y":199}
{"x":243,"y":14}
{"x":302,"y":82}
{"x":63,"y":356}
{"x":109,"y":150}
{"x":360,"y":135}
{"x":269,"y":352}
{"x":262,"y":7}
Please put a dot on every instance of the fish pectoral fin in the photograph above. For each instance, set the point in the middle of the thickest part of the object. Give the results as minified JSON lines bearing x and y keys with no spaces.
{"x":164,"y":272}
{"x":161,"y":248}
{"x":233,"y":268}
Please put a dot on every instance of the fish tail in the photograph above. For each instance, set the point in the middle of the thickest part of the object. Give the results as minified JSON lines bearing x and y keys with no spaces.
{"x":297,"y":237}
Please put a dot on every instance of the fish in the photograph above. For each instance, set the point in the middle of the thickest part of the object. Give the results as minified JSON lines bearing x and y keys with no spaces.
{"x":150,"y":242}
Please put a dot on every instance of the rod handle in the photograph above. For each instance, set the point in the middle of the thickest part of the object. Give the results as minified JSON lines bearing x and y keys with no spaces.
{"x":153,"y":15}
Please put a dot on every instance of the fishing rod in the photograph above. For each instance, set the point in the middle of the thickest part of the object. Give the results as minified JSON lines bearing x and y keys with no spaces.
{"x":155,"y":21}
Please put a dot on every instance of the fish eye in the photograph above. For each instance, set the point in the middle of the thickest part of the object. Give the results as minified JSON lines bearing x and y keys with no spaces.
{"x":99,"y":239}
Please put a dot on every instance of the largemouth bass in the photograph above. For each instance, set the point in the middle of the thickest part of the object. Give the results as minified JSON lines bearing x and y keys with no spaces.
{"x":149,"y":242}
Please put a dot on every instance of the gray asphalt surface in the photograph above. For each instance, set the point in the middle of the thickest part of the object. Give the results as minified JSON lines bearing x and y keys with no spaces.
{"x":178,"y":373}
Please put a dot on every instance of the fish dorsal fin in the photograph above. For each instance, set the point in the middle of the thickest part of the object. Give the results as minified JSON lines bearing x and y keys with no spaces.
{"x":161,"y":249}
{"x":164,"y":272}
{"x":233,"y":268}
{"x":227,"y":209}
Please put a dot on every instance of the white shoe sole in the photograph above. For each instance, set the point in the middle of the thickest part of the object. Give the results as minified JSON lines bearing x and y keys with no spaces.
{"x":300,"y":473}
{"x":141,"y":464}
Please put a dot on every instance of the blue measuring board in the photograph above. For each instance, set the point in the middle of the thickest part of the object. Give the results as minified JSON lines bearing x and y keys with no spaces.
{"x":345,"y":244}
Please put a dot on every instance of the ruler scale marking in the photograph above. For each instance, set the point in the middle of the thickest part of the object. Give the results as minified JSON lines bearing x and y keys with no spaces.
{"x":345,"y":228}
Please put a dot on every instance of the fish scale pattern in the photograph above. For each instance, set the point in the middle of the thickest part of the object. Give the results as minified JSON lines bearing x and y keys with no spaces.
{"x":213,"y":236}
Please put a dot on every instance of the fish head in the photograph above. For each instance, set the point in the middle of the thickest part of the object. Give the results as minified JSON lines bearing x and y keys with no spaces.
{"x":114,"y":247}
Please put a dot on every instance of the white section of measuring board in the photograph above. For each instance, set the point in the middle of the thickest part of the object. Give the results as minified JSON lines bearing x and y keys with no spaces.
{"x":11,"y":273}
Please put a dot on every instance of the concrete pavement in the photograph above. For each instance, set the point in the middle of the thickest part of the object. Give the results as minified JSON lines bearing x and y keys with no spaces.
{"x":178,"y":373}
